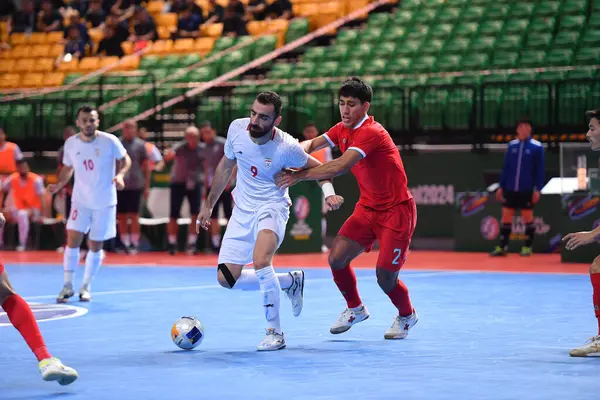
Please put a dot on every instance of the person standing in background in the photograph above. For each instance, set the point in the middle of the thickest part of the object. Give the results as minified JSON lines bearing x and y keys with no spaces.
{"x":188,"y":156}
{"x":10,"y":153}
{"x":137,"y":181}
{"x":520,"y":185}
{"x":155,"y":158}
{"x":215,"y":149}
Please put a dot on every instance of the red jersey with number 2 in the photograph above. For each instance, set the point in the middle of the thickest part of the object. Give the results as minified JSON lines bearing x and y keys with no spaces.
{"x":380,"y":174}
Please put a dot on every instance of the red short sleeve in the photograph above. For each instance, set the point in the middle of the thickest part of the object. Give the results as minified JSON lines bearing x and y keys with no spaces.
{"x":332,"y":136}
{"x":366,"y":141}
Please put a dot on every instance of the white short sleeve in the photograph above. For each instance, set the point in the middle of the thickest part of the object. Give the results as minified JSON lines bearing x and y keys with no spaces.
{"x":119,"y":149}
{"x":67,"y":160}
{"x":228,"y":148}
{"x":18,"y":153}
{"x":295,"y":155}
{"x":39,"y":186}
{"x":155,"y":155}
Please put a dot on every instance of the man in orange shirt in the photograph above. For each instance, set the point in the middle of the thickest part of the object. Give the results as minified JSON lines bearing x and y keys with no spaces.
{"x":10,"y":153}
{"x":27,"y":191}
{"x":324,"y":155}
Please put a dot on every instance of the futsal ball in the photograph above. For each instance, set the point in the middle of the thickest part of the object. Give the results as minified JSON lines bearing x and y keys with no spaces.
{"x":187,"y":333}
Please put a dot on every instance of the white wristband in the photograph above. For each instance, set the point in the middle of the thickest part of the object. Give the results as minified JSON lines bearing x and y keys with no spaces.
{"x":328,"y":189}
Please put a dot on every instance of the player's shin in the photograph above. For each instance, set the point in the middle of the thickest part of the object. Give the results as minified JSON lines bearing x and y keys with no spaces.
{"x":595,"y":278}
{"x":529,"y":234}
{"x":93,"y":260}
{"x":270,"y":288}
{"x":345,"y":279}
{"x":70,"y":262}
{"x":23,"y":223}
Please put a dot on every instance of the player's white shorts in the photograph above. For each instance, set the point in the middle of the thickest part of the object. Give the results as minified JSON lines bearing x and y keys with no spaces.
{"x":101,"y":224}
{"x":243,"y":227}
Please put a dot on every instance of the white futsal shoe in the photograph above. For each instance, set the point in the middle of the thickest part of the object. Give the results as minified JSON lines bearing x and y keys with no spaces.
{"x":272,"y":341}
{"x":65,"y":294}
{"x":84,"y":294}
{"x":401,"y":326}
{"x":590,"y":349}
{"x":348,"y":318}
{"x":296,"y":292}
{"x":53,"y":370}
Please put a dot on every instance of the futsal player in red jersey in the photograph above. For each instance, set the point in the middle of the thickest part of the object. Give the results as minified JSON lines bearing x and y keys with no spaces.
{"x":385,"y":211}
{"x":22,"y":318}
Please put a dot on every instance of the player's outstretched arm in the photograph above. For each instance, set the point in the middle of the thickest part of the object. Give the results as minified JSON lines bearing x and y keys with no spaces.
{"x":333,"y":200}
{"x":314,"y":144}
{"x":222,"y":176}
{"x":576,"y":239}
{"x":122,"y":167}
{"x":63,"y":178}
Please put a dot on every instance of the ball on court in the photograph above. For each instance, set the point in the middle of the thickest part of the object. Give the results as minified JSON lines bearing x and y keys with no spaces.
{"x":187,"y":333}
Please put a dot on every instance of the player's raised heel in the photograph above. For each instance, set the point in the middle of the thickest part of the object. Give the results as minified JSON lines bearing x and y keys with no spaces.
{"x":54,"y":370}
{"x":590,"y":349}
{"x":401,"y":326}
{"x":296,"y":292}
{"x":348,"y":318}
{"x":273,"y":341}
{"x":84,"y":294}
{"x":65,"y":294}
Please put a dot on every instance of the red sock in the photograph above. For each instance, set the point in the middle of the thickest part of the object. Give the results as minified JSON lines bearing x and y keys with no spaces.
{"x":596,"y":296}
{"x":401,"y":299}
{"x":346,"y":282}
{"x":22,"y":318}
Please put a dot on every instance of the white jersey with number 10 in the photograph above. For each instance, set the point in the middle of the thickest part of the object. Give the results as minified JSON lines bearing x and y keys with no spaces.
{"x":258,"y":164}
{"x":94,"y":169}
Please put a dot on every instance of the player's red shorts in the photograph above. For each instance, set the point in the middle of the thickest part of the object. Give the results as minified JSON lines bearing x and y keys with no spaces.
{"x":394,"y":229}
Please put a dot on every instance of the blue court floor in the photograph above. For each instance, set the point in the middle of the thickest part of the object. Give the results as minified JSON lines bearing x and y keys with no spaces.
{"x":480,"y":336}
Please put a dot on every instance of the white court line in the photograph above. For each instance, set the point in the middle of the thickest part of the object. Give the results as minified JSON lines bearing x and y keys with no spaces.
{"x":203,"y":287}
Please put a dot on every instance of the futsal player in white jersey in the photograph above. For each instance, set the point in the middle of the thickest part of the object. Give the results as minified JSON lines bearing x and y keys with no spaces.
{"x":91,"y":156}
{"x":257,"y":226}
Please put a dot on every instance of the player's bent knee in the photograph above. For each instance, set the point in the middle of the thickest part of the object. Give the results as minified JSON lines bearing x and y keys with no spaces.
{"x":595,"y":267}
{"x":386,"y":279}
{"x":225,"y":277}
{"x":337,"y":260}
{"x":6,"y":290}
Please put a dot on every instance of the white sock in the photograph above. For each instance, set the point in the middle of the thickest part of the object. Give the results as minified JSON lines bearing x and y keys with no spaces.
{"x":216,"y":240}
{"x":70,"y":262}
{"x":23,"y":223}
{"x":172,"y":239}
{"x":192,"y":239}
{"x":135,"y":239}
{"x":93,"y":260}
{"x":248,"y":281}
{"x":126,"y":239}
{"x":269,"y":286}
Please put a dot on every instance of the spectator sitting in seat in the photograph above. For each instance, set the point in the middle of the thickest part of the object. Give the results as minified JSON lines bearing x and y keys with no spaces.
{"x":48,"y":19}
{"x":257,"y":9}
{"x":75,"y":46}
{"x":144,"y":27}
{"x":233,"y":23}
{"x":188,"y":25}
{"x":23,"y":21}
{"x":215,"y":13}
{"x":121,"y":28}
{"x":238,"y":7}
{"x":95,"y":14}
{"x":280,"y":9}
{"x":76,"y":22}
{"x":110,"y":45}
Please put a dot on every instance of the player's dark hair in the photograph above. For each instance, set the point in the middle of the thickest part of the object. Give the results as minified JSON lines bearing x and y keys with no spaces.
{"x":273,"y":98}
{"x":525,"y":120}
{"x":21,"y":161}
{"x":593,"y":114}
{"x":356,"y":87}
{"x":310,"y":124}
{"x":85,"y":109}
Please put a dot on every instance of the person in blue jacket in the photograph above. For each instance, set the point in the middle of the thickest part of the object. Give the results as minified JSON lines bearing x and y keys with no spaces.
{"x":520,"y":184}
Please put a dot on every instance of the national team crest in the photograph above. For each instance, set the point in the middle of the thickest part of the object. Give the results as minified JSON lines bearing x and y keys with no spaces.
{"x":268,"y":162}
{"x":97,"y":152}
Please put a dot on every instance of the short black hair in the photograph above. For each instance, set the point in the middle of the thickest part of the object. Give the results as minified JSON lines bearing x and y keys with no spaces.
{"x":593,"y":114}
{"x":85,"y":109}
{"x":270,"y":98}
{"x":21,"y":161}
{"x":524,"y":120}
{"x":356,"y":87}
{"x":205,"y":124}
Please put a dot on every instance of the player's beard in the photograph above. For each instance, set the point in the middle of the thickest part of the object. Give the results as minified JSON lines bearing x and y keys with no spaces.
{"x":89,"y":131}
{"x":257,"y":133}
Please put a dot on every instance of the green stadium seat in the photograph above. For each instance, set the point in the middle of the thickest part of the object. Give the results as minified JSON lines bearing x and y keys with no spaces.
{"x":315,"y":54}
{"x":496,"y":12}
{"x":465,"y":30}
{"x":566,"y":39}
{"x":159,"y":73}
{"x":547,"y":8}
{"x":571,"y":23}
{"x":403,"y":18}
{"x":439,"y":80}
{"x":433,"y":46}
{"x":395,"y":33}
{"x":559,"y":57}
{"x":328,"y":68}
{"x":425,"y":16}
{"x":574,"y":7}
{"x":338,"y":52}
{"x":113,"y":79}
{"x":281,"y":71}
{"x":458,"y":45}
{"x":509,"y":43}
{"x":372,"y":35}
{"x":581,"y":73}
{"x":590,"y":38}
{"x":264,"y":45}
{"x":532,"y":58}
{"x":362,"y":51}
{"x":458,"y":110}
{"x":468,"y":79}
{"x":231,"y":61}
{"x":587,"y":56}
{"x":304,"y":69}
{"x":417,"y":32}
{"x":516,"y":26}
{"x":210,"y":108}
{"x":412,"y":4}
{"x":385,"y":50}
{"x":434,"y":3}
{"x":376,"y":67}
{"x":408,"y":48}
{"x":202,"y":74}
{"x":539,"y":41}
{"x":399,"y":66}
{"x":423,"y":64}
{"x":448,"y":63}
{"x":379,"y":20}
{"x":169,"y":62}
{"x":542,"y":25}
{"x":449,"y":15}
{"x":474,"y":62}
{"x":352,"y":67}
{"x":491,"y":28}
{"x":71,"y":78}
{"x":297,"y":28}
{"x":483,"y":44}
{"x":514,"y":104}
{"x":20,"y":122}
{"x":472,"y":13}
{"x":346,"y":36}
{"x":441,"y":31}
{"x":521,"y":10}
{"x":223,"y":43}
{"x":572,"y":98}
{"x":551,"y":76}
{"x":190,"y":59}
{"x":522,"y":77}
{"x":504,"y":60}
{"x":149,"y":62}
